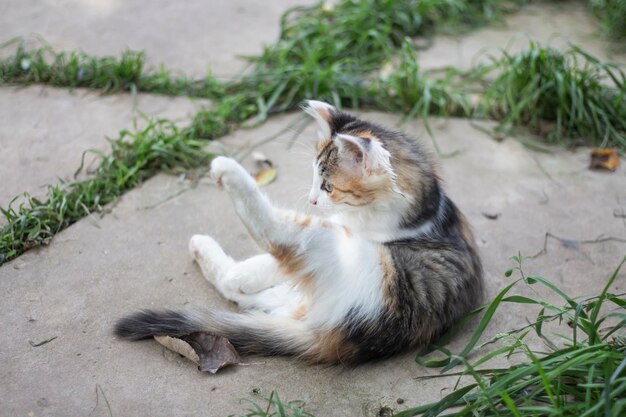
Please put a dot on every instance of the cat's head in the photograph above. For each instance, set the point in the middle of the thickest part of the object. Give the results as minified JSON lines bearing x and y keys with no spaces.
{"x":351,"y":167}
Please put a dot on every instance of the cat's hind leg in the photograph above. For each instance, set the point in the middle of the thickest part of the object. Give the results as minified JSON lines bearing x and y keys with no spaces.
{"x":254,"y":275}
{"x":234,"y":279}
{"x":282,"y":300}
{"x":210,"y":256}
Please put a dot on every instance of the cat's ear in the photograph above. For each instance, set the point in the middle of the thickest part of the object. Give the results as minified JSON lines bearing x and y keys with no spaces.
{"x":322,"y":113}
{"x":364,"y":153}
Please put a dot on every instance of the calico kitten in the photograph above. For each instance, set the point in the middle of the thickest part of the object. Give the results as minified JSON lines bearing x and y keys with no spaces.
{"x":394,"y":268}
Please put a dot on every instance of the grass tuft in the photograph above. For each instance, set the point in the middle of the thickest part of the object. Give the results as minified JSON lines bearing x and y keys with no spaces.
{"x":410,"y":91}
{"x":612,"y":14}
{"x":567,"y":97}
{"x":111,"y":74}
{"x":277,"y":408}
{"x":579,"y":374}
{"x":328,"y":51}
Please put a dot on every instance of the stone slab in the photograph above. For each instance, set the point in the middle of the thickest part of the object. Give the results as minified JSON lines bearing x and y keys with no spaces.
{"x":136,"y":257}
{"x":549,"y":23}
{"x":192,"y":36}
{"x":44,"y":131}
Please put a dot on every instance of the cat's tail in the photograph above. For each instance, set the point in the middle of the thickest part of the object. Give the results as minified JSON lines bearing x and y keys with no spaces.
{"x":250,"y":333}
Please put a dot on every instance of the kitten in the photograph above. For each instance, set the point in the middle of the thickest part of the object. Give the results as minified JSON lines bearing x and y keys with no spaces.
{"x":394,"y":268}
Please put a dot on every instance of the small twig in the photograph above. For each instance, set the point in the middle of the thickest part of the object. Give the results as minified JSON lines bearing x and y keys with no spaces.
{"x":250,"y":363}
{"x":43,"y":342}
{"x":106,"y":401}
{"x":544,"y":171}
{"x":195,"y":180}
{"x":572,"y":243}
{"x":168,"y":198}
{"x":243,"y":154}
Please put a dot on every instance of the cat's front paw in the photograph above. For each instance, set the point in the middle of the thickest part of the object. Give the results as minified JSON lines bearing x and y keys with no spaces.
{"x":226,"y":172}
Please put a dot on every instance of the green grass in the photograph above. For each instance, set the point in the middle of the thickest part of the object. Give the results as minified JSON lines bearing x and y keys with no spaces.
{"x":134,"y":157}
{"x":330,"y":53}
{"x":276,"y":408}
{"x":612,"y":14}
{"x":409,"y":91}
{"x":569,"y":97}
{"x":111,"y":74}
{"x":579,"y":373}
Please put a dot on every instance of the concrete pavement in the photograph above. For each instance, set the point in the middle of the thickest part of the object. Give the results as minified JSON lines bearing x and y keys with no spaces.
{"x":136,"y":256}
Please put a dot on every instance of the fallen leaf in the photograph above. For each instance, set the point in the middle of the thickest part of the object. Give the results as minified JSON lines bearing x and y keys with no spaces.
{"x":266,"y":176}
{"x":179,"y":346}
{"x":267,"y":173}
{"x":215,"y":352}
{"x":211,"y":353}
{"x":604,"y":159}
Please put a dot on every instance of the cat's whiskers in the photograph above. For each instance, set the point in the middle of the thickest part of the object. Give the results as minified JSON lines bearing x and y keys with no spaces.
{"x":302,"y":202}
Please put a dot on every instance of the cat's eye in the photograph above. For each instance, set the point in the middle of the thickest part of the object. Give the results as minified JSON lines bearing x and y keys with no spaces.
{"x":326,"y":186}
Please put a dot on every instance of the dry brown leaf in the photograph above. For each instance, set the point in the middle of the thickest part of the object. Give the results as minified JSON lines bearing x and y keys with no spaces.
{"x":265,"y":177}
{"x":604,"y":159}
{"x":267,"y":173}
{"x":179,"y":346}
{"x":211,"y":353}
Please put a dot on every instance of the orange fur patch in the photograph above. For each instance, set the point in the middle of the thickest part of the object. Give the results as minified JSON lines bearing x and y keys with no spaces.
{"x":289,"y":260}
{"x":292,"y":263}
{"x":305,"y":221}
{"x":331,"y":347}
{"x":321,"y":145}
{"x":306,"y":284}
{"x":364,"y":134}
{"x":389,"y":278}
{"x":325,"y":224}
{"x":354,"y":191}
{"x":300,"y":312}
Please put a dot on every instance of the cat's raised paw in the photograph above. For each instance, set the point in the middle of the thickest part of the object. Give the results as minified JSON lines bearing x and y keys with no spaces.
{"x":225,"y":171}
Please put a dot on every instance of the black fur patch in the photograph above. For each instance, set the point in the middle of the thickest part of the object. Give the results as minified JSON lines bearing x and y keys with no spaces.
{"x":428,"y":208}
{"x":388,"y":334}
{"x":148,"y":323}
{"x":339,"y":120}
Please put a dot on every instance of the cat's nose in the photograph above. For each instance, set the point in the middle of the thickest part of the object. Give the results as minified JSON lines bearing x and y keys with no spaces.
{"x":313,"y":200}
